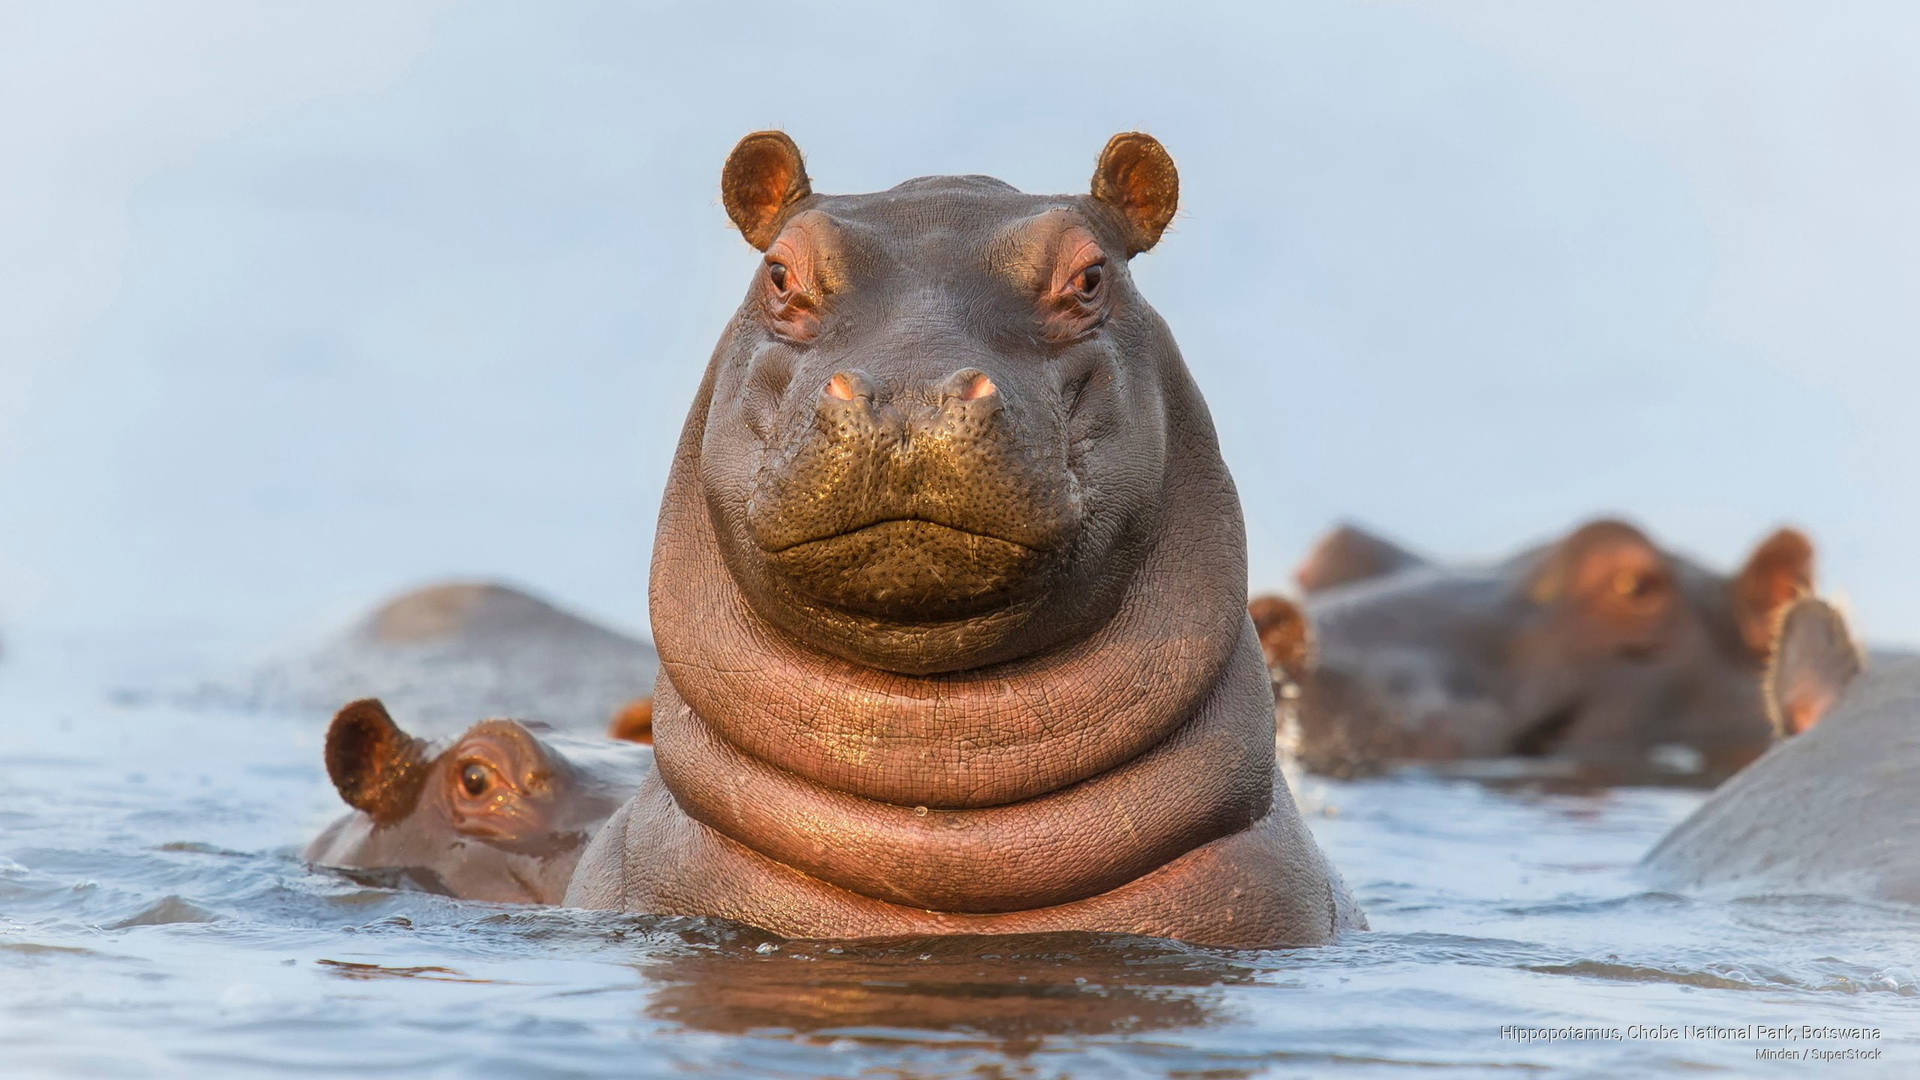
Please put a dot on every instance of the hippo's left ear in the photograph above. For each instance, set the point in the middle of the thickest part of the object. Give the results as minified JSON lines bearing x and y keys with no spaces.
{"x":377,"y":767}
{"x":1136,"y":177}
{"x":763,"y":177}
{"x":1348,"y":554}
{"x":1285,"y":637}
{"x":1814,"y":658}
{"x":1778,"y":571}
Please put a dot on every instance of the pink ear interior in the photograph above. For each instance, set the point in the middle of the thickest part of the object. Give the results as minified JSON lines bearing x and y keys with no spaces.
{"x":764,"y":175}
{"x":1136,"y":176}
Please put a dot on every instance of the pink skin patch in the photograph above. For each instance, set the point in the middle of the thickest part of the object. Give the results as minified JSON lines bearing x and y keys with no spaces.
{"x":978,"y":387}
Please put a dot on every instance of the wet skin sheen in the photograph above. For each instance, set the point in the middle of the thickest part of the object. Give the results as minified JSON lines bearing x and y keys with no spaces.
{"x":499,"y":813}
{"x":1600,"y":653}
{"x":949,"y":591}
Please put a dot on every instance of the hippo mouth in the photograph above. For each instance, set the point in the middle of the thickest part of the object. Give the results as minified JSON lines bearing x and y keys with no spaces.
{"x":910,"y":520}
{"x":911,"y":568}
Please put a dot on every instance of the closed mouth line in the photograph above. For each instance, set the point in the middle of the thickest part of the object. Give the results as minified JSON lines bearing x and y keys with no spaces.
{"x":898,"y":520}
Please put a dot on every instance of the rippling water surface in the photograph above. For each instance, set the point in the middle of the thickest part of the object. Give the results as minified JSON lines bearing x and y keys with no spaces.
{"x":155,"y":918}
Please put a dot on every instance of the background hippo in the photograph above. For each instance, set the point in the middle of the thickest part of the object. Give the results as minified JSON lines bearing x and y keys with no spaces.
{"x":1833,"y":809}
{"x":443,"y":654}
{"x":950,"y":586}
{"x":1600,"y":652}
{"x":499,"y":813}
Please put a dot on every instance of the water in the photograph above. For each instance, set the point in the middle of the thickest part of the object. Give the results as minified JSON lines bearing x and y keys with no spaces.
{"x":155,"y":918}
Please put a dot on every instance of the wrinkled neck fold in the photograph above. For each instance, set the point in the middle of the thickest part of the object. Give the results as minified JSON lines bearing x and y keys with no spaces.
{"x":977,"y":738}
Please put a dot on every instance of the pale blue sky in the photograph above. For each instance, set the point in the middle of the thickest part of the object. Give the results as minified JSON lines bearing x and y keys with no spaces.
{"x":306,"y":305}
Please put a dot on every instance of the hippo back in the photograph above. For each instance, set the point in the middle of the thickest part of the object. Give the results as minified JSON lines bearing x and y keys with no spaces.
{"x":443,"y":654}
{"x":1834,"y":810}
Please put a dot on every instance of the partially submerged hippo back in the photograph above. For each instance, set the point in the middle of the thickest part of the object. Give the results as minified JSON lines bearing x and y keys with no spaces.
{"x":949,"y":591}
{"x":446,"y":653}
{"x":500,"y":813}
{"x":1600,"y":651}
{"x":1834,"y":809}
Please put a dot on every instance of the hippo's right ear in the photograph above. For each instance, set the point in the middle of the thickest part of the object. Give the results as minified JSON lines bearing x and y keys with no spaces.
{"x":763,"y":177}
{"x":1285,"y":638}
{"x":1779,"y":571}
{"x":1814,"y":658}
{"x":377,"y":767}
{"x":1348,"y":554}
{"x":1136,"y":177}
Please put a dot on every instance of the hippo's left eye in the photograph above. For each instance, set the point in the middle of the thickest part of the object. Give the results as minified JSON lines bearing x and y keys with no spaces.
{"x":1086,"y":283}
{"x":778,"y":274}
{"x":1638,"y":587}
{"x":476,"y":779}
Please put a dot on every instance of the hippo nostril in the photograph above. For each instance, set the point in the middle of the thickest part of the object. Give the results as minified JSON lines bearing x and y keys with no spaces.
{"x":967,"y":384}
{"x":840,"y":386}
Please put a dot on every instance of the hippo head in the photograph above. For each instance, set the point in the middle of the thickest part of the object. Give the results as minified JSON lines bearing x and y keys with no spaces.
{"x":1599,"y":648}
{"x":927,"y":446}
{"x":1814,"y":660}
{"x":497,"y":815}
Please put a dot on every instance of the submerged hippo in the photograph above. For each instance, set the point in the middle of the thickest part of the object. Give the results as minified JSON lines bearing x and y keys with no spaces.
{"x":499,"y":813}
{"x":1599,"y":652}
{"x":949,"y":590}
{"x":1834,"y":808}
{"x":446,"y":653}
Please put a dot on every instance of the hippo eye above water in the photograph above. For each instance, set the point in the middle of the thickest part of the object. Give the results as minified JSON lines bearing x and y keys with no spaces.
{"x":1087,"y":282}
{"x":777,"y":273}
{"x":1637,"y":587}
{"x":476,"y":779}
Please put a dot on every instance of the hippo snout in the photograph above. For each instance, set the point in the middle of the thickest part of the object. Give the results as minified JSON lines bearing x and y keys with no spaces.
{"x":942,"y":493}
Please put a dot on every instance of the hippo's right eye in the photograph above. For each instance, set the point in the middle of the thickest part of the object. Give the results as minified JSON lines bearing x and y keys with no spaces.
{"x":476,"y":779}
{"x":777,"y":273}
{"x":1086,"y":284}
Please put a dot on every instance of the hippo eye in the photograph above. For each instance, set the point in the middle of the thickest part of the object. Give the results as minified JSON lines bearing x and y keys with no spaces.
{"x":1087,"y":282}
{"x":475,"y":779}
{"x":777,"y":273}
{"x":1635,"y":586}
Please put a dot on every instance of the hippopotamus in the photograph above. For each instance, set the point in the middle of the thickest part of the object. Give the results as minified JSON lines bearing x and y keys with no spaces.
{"x":445,"y":653}
{"x":500,"y":813}
{"x":1599,"y":655}
{"x":1833,"y":808}
{"x":949,"y":589}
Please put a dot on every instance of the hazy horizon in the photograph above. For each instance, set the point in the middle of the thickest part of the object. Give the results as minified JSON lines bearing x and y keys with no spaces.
{"x":312,"y":304}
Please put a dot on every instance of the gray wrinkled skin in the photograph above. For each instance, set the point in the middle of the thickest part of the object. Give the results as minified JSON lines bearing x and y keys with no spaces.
{"x":442,"y":654}
{"x":949,"y":589}
{"x":1835,"y":810}
{"x":1599,"y":656}
{"x":1033,"y":558}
